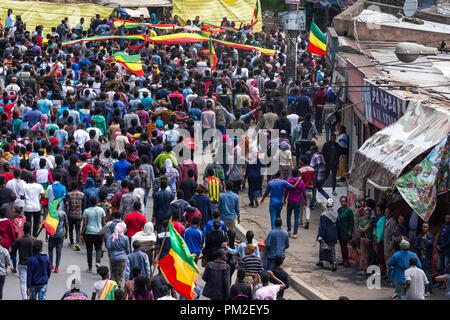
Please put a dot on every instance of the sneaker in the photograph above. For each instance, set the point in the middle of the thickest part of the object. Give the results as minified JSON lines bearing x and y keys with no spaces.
{"x":97,"y":265}
{"x":52,"y":267}
{"x":251,"y":205}
{"x":294,"y":236}
{"x":89,"y":269}
{"x":427,"y":294}
{"x":56,"y":270}
{"x":71,"y":245}
{"x":319,"y":264}
{"x":394,"y":295}
{"x":13,"y":270}
{"x":334,"y":193}
{"x":256,"y":203}
{"x":307,"y":225}
{"x":77,"y":247}
{"x":301,"y":223}
{"x":290,"y":234}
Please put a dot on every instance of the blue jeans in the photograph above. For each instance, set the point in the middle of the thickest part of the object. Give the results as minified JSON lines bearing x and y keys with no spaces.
{"x":55,"y":243}
{"x":147,"y":191}
{"x":275,"y":212}
{"x":40,"y":293}
{"x":399,"y":289}
{"x":221,"y":129}
{"x":23,"y":281}
{"x":443,"y":261}
{"x":297,"y":208}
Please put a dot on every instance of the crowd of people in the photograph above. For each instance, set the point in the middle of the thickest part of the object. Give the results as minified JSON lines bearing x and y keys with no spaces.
{"x":75,"y":124}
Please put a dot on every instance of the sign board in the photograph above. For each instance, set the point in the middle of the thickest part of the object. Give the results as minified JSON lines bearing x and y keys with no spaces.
{"x":294,"y":20}
{"x":382,"y":107}
{"x":292,"y":1}
{"x":340,"y":79}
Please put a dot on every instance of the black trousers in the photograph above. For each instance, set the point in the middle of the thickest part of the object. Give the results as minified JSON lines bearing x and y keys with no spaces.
{"x":36,"y":220}
{"x":333,"y":169}
{"x":74,"y":223}
{"x":93,"y":241}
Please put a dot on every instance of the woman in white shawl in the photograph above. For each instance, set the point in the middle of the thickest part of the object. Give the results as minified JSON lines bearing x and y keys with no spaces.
{"x":147,"y":239}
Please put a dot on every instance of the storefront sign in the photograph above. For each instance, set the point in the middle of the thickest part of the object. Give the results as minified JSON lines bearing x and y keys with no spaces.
{"x":382,"y":107}
{"x":340,"y":79}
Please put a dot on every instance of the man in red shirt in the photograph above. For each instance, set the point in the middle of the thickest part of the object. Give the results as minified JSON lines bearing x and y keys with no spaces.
{"x":307,"y":174}
{"x":135,"y":220}
{"x":320,"y":98}
{"x":176,"y":222}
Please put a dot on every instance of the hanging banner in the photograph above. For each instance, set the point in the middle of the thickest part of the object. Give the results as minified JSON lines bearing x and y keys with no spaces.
{"x":382,"y":107}
{"x":419,"y":186}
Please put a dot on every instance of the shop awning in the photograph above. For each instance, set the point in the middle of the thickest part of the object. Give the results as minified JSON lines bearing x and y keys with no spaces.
{"x":384,"y":155}
{"x":134,"y":3}
{"x":126,"y":13}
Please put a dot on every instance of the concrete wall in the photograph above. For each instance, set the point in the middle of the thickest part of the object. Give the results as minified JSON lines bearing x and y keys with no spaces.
{"x":345,"y":26}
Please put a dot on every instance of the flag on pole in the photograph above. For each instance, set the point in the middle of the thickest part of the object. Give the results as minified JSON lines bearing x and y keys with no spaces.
{"x":52,"y":220}
{"x":212,"y":56}
{"x":317,"y":43}
{"x":178,"y":266}
{"x":256,"y":11}
{"x":132,"y":63}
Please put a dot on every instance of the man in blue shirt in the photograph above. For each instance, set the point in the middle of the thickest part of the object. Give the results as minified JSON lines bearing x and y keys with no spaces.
{"x":276,"y":190}
{"x":121,"y":167}
{"x":45,"y":105}
{"x":146,"y":101}
{"x":228,"y":206}
{"x":193,"y":237}
{"x":276,"y":244}
{"x":210,"y":224}
{"x":32,"y":117}
{"x":399,"y":262}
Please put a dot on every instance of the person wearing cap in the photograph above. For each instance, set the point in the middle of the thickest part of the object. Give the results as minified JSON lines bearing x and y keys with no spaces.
{"x":399,"y":262}
{"x":328,"y":232}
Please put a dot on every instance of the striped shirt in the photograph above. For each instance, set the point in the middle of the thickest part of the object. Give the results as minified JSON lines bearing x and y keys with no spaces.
{"x":213,"y":186}
{"x":252,"y":264}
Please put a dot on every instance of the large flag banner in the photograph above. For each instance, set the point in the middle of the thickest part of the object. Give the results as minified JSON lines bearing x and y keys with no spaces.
{"x":52,"y":220}
{"x":317,"y":43}
{"x":132,"y":63}
{"x":419,"y":186}
{"x":212,"y":56}
{"x":178,"y":266}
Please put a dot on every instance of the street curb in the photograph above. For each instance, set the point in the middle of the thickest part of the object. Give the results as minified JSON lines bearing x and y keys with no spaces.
{"x":299,"y":285}
{"x":304,"y":289}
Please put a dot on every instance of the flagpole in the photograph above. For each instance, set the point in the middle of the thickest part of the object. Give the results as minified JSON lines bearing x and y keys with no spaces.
{"x":159,"y":253}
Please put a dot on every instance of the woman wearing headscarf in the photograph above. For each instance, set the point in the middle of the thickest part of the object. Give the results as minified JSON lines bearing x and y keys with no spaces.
{"x":119,"y":247}
{"x":159,"y":128}
{"x":366,"y":235}
{"x":328,"y":233}
{"x":40,"y":126}
{"x":172,"y":174}
{"x":254,"y":96}
{"x":147,"y":239}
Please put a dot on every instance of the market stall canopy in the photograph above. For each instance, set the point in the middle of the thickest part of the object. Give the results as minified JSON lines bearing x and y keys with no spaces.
{"x":133,"y":13}
{"x":212,"y":11}
{"x":49,"y":15}
{"x":384,"y":155}
{"x":134,"y":3}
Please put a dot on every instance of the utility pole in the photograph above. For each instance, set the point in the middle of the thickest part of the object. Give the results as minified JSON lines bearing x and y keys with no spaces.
{"x":291,"y":60}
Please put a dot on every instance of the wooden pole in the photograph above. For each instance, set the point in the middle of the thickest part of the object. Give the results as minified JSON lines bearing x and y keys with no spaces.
{"x":159,"y":254}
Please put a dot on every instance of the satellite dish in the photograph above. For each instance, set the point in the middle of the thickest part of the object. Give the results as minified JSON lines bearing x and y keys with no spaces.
{"x":410,"y":7}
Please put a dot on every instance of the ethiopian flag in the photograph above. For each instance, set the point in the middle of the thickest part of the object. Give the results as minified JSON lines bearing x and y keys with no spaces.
{"x":132,"y":63}
{"x":108,"y":290}
{"x":178,"y":266}
{"x":52,"y":220}
{"x":212,"y":56}
{"x":317,"y":41}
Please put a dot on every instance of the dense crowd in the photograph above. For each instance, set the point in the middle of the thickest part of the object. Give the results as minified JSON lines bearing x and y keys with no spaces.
{"x":76,"y":124}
